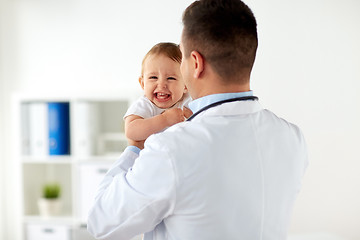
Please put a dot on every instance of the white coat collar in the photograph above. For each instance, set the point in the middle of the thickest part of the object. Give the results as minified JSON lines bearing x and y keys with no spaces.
{"x":232,"y":108}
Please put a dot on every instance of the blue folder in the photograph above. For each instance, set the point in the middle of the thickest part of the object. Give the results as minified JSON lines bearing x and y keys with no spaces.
{"x":59,"y":128}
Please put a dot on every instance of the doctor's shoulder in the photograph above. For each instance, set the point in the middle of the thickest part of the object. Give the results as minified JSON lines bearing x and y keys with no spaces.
{"x":172,"y":136}
{"x":291,"y":130}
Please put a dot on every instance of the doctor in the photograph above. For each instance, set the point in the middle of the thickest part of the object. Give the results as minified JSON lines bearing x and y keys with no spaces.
{"x":232,"y":172}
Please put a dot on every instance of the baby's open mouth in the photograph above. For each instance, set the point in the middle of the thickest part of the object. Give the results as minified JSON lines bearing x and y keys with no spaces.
{"x":162,"y":96}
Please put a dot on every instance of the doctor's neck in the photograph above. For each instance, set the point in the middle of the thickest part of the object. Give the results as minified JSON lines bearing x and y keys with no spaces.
{"x":209,"y":86}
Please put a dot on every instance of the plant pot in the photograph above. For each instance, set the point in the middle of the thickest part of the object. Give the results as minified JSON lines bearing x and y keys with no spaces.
{"x":49,"y":207}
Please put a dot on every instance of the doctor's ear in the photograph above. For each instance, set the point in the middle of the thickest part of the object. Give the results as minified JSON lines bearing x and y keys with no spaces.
{"x":198,"y":62}
{"x":141,"y":81}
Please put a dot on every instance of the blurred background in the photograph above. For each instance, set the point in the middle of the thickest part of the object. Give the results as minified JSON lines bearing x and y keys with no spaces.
{"x":307,"y":71}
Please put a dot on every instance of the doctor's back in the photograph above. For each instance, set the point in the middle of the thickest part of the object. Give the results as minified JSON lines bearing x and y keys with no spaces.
{"x":241,"y":180}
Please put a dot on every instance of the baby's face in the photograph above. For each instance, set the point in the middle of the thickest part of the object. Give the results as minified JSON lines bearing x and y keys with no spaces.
{"x":162,"y":81}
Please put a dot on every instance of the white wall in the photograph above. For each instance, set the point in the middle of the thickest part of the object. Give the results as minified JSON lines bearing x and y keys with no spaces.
{"x":3,"y":114}
{"x":307,"y":71}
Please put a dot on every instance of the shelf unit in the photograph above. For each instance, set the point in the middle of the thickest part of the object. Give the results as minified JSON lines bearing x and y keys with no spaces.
{"x":96,"y":140}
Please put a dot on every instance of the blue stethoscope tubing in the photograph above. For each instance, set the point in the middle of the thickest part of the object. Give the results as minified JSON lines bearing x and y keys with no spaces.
{"x":253,"y":98}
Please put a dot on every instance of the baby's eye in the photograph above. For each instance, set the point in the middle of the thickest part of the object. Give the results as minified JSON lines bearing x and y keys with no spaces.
{"x":153,"y":77}
{"x":171,"y":78}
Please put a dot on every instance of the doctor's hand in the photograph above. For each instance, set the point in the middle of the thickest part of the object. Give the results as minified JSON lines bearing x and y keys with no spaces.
{"x":139,"y":144}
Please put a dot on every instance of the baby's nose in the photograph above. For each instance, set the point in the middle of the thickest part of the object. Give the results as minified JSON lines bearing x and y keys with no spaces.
{"x":162,"y":84}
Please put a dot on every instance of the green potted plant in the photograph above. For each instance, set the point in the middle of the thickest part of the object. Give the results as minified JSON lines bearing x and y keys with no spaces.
{"x":50,"y":202}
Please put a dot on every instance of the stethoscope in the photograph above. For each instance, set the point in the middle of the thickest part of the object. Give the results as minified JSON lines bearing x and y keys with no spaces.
{"x":253,"y":98}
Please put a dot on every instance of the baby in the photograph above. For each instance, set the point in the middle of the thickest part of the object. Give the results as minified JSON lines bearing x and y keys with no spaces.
{"x":165,"y":94}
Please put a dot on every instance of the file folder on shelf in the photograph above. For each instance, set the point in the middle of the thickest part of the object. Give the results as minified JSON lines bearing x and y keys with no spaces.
{"x":37,"y":129}
{"x":59,"y":128}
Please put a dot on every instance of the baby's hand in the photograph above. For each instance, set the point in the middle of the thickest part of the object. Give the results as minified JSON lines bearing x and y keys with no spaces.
{"x":187,"y":112}
{"x":173,"y":116}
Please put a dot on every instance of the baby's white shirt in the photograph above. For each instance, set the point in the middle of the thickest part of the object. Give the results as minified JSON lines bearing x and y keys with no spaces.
{"x":144,"y":108}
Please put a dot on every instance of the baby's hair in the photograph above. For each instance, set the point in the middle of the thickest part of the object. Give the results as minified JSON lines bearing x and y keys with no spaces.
{"x":170,"y":50}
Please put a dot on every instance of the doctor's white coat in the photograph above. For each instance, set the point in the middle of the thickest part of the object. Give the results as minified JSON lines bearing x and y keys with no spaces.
{"x":233,"y":172}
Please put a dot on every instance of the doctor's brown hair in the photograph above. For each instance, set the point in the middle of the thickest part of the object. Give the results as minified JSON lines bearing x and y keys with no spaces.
{"x":224,"y":32}
{"x":170,"y":50}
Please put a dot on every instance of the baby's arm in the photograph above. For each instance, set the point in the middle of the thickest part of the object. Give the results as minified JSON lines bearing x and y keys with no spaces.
{"x":139,"y":129}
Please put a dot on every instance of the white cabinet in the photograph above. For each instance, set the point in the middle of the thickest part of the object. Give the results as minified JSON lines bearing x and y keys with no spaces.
{"x":96,"y":140}
{"x":47,"y":232}
{"x":91,"y":175}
